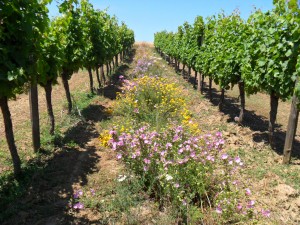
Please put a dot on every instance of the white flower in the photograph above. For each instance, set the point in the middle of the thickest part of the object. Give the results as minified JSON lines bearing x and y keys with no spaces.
{"x":169,"y":177}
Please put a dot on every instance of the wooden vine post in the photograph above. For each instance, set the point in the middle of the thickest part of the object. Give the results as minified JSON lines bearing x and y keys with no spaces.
{"x":34,"y":115}
{"x":291,"y":129}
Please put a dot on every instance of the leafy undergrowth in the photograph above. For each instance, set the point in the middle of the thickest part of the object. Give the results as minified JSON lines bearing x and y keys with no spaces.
{"x":160,"y":153}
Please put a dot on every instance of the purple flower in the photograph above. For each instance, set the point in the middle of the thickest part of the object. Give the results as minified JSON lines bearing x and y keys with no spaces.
{"x":78,"y":194}
{"x":266,"y":213}
{"x":136,"y":110}
{"x":179,"y":129}
{"x":78,"y":205}
{"x":219,"y":209}
{"x":175,"y":138}
{"x":146,"y":168}
{"x":121,"y":77}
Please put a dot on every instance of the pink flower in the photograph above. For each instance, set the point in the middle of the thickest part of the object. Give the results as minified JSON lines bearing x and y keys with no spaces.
{"x":146,"y":168}
{"x":224,"y":156}
{"x":237,"y":159}
{"x":176,"y":185}
{"x":168,"y":145}
{"x":266,"y":213}
{"x":147,"y":161}
{"x":251,"y":204}
{"x":175,"y":138}
{"x":136,"y":110}
{"x":210,"y":158}
{"x":219,"y":134}
{"x":163,"y":153}
{"x":121,"y":77}
{"x":180,"y":151}
{"x":112,"y":132}
{"x":184,"y":202}
{"x":248,"y":191}
{"x":193,"y":154}
{"x":119,"y":156}
{"x":239,"y":206}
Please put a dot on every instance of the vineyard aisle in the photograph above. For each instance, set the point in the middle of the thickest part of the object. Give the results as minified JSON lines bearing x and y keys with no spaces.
{"x":78,"y":181}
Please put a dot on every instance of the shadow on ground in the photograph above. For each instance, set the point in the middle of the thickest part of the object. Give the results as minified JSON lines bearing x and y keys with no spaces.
{"x":258,"y":124}
{"x":43,"y":194}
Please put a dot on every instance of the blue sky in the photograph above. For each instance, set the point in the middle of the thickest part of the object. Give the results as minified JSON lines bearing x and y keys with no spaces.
{"x":146,"y":17}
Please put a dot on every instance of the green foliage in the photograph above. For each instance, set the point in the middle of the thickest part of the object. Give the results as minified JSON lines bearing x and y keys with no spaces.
{"x":19,"y":57}
{"x":262,"y":51}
